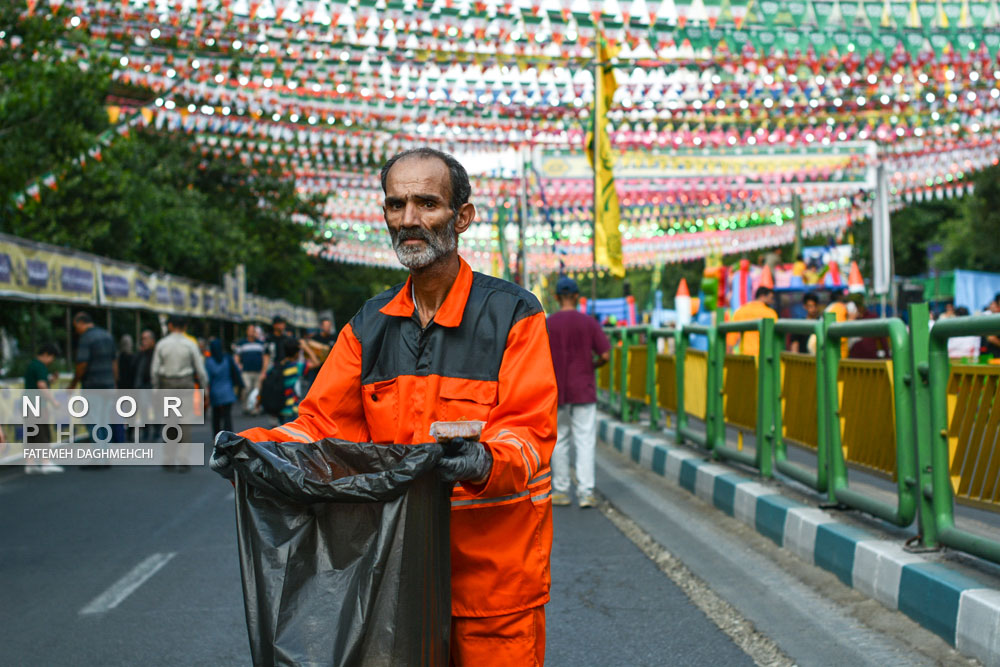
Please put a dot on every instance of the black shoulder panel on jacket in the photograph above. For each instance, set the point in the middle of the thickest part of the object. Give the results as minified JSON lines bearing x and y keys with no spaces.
{"x":393,"y":346}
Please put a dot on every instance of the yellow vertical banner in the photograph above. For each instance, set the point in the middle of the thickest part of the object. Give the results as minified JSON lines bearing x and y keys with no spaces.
{"x":607,"y":216}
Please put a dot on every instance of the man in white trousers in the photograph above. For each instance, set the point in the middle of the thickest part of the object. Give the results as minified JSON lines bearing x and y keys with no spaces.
{"x":579,"y":346}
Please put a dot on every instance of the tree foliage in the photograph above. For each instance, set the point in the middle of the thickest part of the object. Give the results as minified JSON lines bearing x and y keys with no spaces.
{"x":51,"y":103}
{"x":152,"y":198}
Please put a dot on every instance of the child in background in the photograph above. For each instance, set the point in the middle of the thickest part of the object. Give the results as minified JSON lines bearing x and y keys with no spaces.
{"x":292,"y":369}
{"x":36,"y":376}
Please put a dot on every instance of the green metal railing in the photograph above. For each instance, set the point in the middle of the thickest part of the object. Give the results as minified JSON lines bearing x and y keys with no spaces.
{"x":938,"y":496}
{"x":902,"y":374}
{"x":817,"y":480}
{"x":927,"y":464}
{"x":713,"y":417}
{"x":766,"y":365}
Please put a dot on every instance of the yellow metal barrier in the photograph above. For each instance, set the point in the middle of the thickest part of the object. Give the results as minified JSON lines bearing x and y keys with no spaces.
{"x":798,"y":399}
{"x":666,"y":382}
{"x":604,"y":372}
{"x":974,"y":434}
{"x":867,"y":418}
{"x":695,"y":382}
{"x":740,"y":383}
{"x":637,"y":374}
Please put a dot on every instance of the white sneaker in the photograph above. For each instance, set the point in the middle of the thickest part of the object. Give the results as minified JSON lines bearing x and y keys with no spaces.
{"x":588,"y":500}
{"x":50,"y":468}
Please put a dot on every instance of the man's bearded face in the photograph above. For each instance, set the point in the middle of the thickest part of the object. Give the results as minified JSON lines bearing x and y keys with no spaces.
{"x":436,"y":244}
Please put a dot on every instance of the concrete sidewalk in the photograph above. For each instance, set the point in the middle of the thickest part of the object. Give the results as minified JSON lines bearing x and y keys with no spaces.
{"x":960,"y":603}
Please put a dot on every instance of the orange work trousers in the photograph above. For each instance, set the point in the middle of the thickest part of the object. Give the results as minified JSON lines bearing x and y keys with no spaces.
{"x":512,"y":640}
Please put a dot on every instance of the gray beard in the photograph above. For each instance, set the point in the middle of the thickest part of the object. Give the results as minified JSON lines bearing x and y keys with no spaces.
{"x":436,"y":245}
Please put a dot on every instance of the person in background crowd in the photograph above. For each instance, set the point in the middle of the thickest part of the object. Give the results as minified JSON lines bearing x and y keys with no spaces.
{"x":177,"y":364}
{"x":272,"y":354}
{"x":143,"y":363}
{"x":37,"y":376}
{"x":126,"y":363}
{"x":949,"y":311}
{"x":800,"y":342}
{"x":292,"y":369}
{"x":759,"y":308}
{"x":96,"y":364}
{"x":578,"y":346}
{"x":124,"y":379}
{"x":221,"y":371}
{"x":838,"y":306}
{"x":143,"y":378}
{"x":991,"y":343}
{"x":250,"y":359}
{"x":326,"y":335}
{"x":314,"y":354}
{"x":964,"y":348}
{"x":866,"y":348}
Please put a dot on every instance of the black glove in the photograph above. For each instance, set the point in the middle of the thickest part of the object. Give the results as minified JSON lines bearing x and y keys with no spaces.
{"x":465,"y":461}
{"x":221,"y":462}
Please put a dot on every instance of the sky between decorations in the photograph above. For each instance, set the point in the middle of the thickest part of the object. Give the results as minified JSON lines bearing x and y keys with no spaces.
{"x":724,"y":109}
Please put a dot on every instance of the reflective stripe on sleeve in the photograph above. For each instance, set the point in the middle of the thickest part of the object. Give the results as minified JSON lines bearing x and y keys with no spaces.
{"x":299,"y":436}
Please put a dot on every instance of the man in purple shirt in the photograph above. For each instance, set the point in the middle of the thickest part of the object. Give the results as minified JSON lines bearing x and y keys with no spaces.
{"x":578,"y":347}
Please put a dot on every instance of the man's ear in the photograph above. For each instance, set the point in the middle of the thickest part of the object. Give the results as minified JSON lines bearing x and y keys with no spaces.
{"x":466,"y":215}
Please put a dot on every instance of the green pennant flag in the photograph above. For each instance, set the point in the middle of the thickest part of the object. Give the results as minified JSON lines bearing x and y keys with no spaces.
{"x":864,"y":42}
{"x":775,"y":13}
{"x":821,"y":41}
{"x":993,"y":16}
{"x":799,"y":11}
{"x":888,"y":41}
{"x":827,"y":12}
{"x":965,"y":41}
{"x":878,"y":18}
{"x":789,"y":40}
{"x":953,"y":12}
{"x":913,"y":40}
{"x":940,"y":41}
{"x":900,"y":12}
{"x":842,"y":40}
{"x":978,"y":13}
{"x":736,"y":39}
{"x":992,"y":41}
{"x":765,"y":39}
{"x":696,"y":35}
{"x":928,"y":14}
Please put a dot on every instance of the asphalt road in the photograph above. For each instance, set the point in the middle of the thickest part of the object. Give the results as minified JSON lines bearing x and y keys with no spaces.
{"x":137,"y":565}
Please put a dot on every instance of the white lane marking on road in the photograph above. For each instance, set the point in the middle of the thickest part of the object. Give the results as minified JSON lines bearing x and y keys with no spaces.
{"x":127,"y":585}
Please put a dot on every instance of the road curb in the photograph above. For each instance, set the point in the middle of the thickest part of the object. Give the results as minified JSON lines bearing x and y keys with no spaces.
{"x":963,"y":610}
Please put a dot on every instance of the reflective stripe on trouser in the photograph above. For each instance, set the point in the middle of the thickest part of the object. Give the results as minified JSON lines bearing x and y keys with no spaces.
{"x":511,"y":640}
{"x":577,"y":425}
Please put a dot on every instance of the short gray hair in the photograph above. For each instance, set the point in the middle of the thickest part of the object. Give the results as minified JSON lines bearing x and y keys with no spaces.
{"x":461,"y":189}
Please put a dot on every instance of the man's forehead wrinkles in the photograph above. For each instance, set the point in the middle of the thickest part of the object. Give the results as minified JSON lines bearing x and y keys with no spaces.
{"x":414,"y":195}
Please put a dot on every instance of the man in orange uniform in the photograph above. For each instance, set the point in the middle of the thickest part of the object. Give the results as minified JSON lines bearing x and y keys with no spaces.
{"x":453,"y":345}
{"x":757,"y":309}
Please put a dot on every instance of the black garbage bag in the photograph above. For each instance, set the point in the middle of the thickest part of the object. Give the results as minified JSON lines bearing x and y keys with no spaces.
{"x":344,"y":552}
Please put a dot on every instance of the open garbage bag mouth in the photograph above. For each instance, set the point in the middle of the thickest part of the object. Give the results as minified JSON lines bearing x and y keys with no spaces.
{"x":344,"y":552}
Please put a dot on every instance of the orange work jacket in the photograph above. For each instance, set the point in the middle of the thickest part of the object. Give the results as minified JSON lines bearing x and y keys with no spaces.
{"x":485,"y":356}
